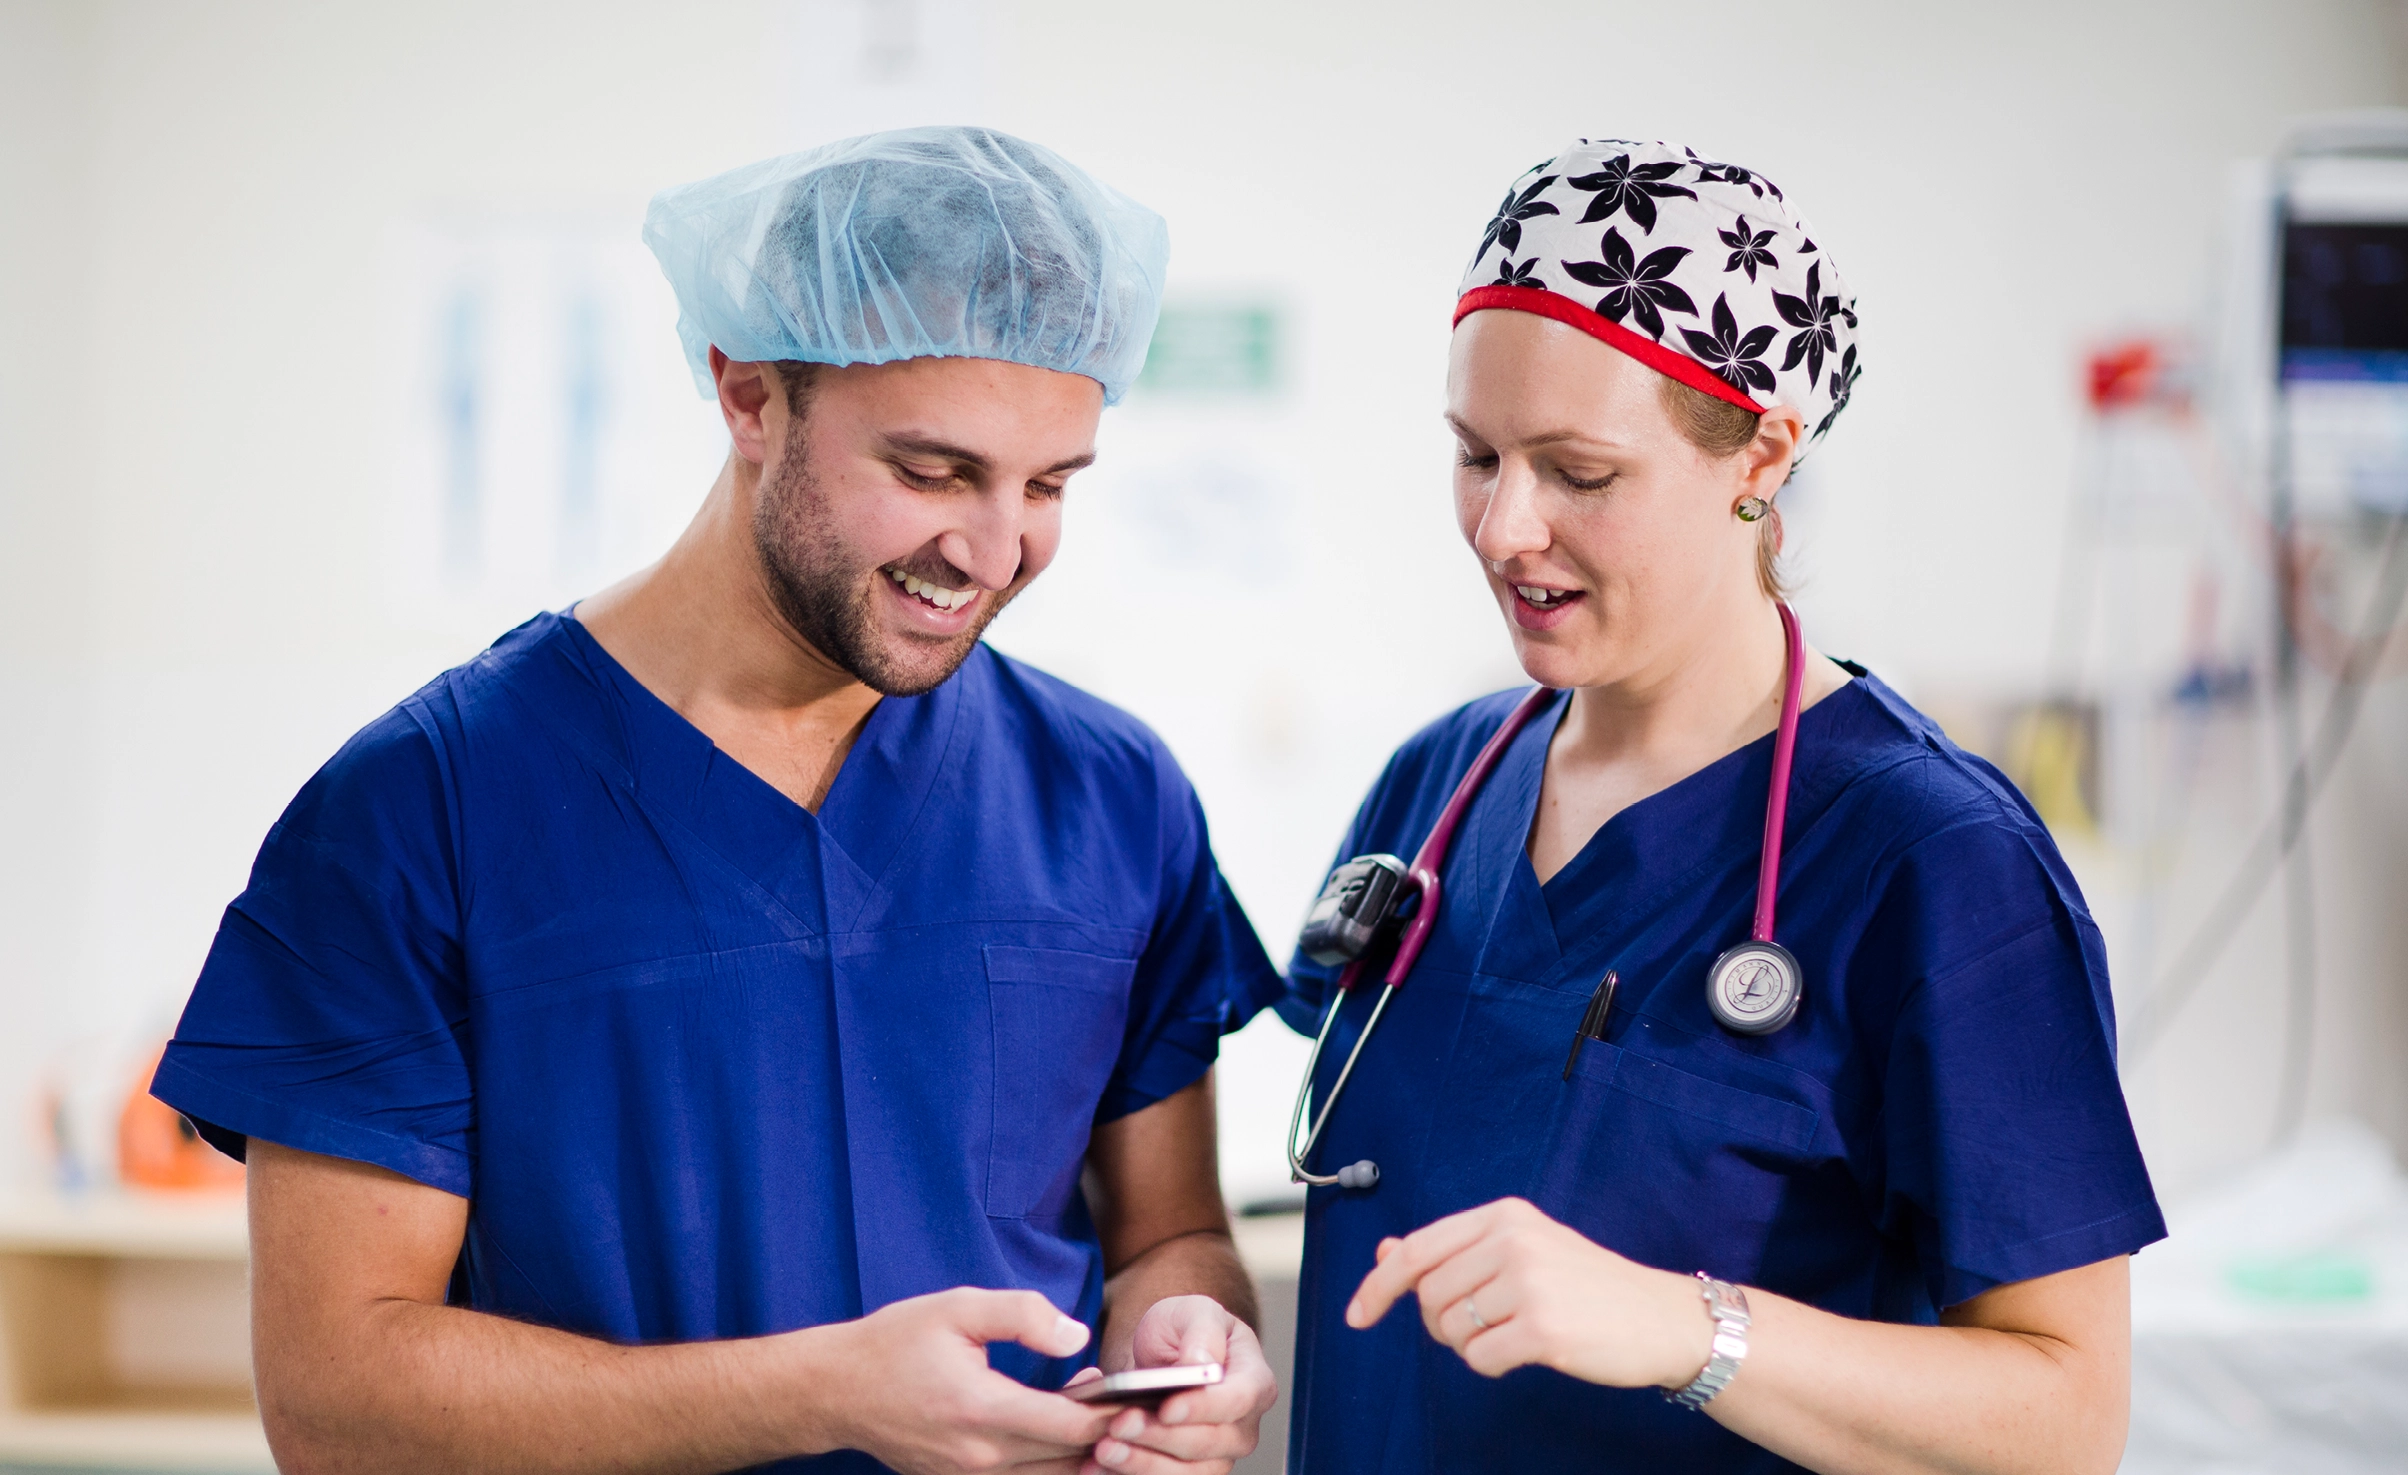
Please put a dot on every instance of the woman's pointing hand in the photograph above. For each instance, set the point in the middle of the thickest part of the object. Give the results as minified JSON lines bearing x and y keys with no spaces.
{"x":1505,"y":1287}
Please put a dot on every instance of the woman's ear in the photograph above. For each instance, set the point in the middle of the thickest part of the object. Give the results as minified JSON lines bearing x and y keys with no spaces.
{"x":1765,"y":464}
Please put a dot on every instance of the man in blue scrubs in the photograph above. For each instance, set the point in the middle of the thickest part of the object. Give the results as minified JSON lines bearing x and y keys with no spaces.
{"x":673,"y":1041}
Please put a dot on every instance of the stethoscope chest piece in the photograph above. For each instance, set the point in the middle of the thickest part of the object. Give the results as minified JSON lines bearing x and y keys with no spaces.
{"x":1755,"y":988}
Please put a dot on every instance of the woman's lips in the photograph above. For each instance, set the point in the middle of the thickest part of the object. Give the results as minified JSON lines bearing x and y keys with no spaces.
{"x":1531,"y":615}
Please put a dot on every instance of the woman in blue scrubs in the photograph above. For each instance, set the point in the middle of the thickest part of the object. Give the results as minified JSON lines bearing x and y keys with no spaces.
{"x":1889,"y":1235}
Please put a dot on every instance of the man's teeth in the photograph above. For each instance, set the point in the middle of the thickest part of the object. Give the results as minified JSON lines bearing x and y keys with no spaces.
{"x":935,"y":594}
{"x":1542,"y":597}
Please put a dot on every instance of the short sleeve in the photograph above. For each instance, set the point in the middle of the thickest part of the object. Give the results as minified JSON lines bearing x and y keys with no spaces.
{"x":2009,"y":1152}
{"x":1203,"y":972}
{"x":330,"y":1012}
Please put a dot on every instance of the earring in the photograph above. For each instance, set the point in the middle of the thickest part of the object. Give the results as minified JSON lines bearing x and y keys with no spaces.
{"x":1752,"y":509}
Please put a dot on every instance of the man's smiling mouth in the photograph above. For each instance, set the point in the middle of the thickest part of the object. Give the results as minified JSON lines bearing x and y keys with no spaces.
{"x":935,"y":595}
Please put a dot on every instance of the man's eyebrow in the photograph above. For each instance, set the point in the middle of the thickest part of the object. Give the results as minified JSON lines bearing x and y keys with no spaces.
{"x":928,"y":445}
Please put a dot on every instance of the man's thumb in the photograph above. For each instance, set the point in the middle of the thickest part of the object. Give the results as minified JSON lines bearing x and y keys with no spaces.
{"x":1018,"y":1316}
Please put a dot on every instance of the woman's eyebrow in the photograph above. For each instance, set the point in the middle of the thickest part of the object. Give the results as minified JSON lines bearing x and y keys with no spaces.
{"x":1546,"y":438}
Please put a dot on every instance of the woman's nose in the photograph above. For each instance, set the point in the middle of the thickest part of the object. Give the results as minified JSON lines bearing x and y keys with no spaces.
{"x":1511,"y":525}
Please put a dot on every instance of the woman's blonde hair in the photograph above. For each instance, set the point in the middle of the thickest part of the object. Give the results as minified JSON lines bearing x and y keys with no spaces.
{"x":1721,"y":429}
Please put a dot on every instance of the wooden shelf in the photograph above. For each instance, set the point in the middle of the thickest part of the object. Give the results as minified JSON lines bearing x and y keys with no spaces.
{"x":126,"y":1226}
{"x":117,"y":1439}
{"x":124,"y":1334}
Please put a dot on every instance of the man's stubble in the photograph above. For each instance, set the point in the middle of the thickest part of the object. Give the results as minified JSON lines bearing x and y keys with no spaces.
{"x":824,"y":590}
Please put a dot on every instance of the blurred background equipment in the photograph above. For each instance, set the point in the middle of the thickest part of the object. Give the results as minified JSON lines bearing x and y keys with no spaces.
{"x":328,"y":351}
{"x":124,"y":1309}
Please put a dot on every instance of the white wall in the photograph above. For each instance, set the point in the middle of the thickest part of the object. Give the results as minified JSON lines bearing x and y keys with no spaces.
{"x":191,"y":294}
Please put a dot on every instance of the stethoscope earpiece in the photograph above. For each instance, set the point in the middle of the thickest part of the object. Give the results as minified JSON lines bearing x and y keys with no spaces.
{"x":1363,"y":1175}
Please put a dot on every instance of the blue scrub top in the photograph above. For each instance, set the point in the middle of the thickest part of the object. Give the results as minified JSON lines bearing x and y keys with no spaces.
{"x":1942,"y":1117}
{"x":704,"y":1064}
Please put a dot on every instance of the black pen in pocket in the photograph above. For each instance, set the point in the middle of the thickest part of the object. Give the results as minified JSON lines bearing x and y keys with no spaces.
{"x":1592,"y":1022}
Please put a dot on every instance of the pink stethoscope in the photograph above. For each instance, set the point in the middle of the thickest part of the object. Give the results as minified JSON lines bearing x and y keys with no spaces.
{"x":1753,"y":988}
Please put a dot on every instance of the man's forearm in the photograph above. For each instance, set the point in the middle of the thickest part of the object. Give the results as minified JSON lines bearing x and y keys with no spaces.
{"x":1203,"y":1263}
{"x":410,"y":1387}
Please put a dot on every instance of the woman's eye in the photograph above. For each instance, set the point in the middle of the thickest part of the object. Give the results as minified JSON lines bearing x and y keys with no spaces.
{"x":1576,"y":484}
{"x":1464,"y":457}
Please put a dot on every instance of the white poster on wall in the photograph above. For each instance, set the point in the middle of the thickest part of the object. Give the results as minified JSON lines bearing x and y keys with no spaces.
{"x":548,"y":437}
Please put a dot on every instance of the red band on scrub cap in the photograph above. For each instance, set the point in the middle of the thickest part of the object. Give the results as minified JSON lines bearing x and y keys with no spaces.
{"x":1668,"y":362}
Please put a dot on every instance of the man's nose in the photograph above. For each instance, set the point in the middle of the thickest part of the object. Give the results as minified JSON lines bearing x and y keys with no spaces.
{"x":986,"y":543}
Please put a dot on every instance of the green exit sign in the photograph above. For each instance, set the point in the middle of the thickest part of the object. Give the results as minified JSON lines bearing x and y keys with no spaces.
{"x":1211,"y":350}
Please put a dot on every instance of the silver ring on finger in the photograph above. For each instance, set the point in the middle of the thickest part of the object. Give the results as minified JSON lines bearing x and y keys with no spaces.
{"x":1471,"y":1304}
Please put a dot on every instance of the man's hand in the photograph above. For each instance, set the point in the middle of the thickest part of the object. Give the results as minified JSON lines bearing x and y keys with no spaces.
{"x":913,"y":1387}
{"x":362,"y":1368}
{"x":1199,"y":1433}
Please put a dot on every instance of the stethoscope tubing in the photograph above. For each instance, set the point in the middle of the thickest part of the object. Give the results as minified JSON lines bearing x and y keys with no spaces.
{"x":1776,"y":797}
{"x":1431,"y":858}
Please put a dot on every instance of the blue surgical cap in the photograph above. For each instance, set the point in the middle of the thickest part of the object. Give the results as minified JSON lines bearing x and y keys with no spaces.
{"x":925,"y":242}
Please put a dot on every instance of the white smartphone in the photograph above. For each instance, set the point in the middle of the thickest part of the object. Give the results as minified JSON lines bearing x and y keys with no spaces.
{"x":1146,"y":1387}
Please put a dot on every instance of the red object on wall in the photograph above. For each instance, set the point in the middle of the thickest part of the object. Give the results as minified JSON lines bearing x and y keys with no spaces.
{"x":2123,"y":374}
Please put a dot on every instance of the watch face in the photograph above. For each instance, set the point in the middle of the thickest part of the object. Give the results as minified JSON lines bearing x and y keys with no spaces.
{"x":1755,"y":988}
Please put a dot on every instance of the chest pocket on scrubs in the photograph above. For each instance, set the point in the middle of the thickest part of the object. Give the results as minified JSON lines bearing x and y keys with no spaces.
{"x":1669,"y":1167}
{"x":1059,"y":1016}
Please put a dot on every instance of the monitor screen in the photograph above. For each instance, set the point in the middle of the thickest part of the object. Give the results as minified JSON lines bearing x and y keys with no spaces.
{"x":2345,"y":302}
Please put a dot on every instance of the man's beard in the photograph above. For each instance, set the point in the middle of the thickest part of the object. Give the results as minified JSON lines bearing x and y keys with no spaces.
{"x":826,"y":596}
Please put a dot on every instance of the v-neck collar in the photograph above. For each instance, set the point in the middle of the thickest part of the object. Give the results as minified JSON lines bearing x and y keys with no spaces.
{"x":1646,"y":852}
{"x":823,"y":866}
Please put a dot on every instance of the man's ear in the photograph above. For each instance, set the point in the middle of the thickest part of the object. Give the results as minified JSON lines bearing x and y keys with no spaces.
{"x":745,"y":391}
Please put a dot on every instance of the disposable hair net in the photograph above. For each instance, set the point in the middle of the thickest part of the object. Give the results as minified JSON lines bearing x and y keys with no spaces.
{"x":924,"y":242}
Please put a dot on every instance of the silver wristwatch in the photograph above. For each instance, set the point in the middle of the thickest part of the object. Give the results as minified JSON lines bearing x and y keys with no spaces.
{"x":1727,"y":1304}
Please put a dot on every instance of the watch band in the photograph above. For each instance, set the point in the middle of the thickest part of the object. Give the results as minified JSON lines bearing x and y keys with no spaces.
{"x":1727,"y":1304}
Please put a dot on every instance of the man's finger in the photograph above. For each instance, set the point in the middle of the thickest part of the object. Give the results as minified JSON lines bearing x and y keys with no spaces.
{"x":1204,"y":1448}
{"x":1016,"y":1316}
{"x":1193,"y":1441}
{"x":1204,"y":1341}
{"x":1235,"y":1397}
{"x":1043,"y":1419}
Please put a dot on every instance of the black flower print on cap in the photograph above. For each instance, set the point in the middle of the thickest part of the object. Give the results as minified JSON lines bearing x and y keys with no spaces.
{"x":1712,"y":173}
{"x":1843,"y":384}
{"x":1747,"y":248}
{"x":1506,"y":228}
{"x":1630,"y":188}
{"x":1524,"y":275}
{"x":1704,"y":271}
{"x":1634,"y":288}
{"x":1737,"y":357}
{"x":1813,"y":314}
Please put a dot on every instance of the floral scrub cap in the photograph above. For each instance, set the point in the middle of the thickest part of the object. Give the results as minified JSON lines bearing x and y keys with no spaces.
{"x":1697,"y":269}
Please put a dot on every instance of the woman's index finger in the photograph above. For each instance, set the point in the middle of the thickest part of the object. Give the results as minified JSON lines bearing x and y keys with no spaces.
{"x":1413,"y":1257}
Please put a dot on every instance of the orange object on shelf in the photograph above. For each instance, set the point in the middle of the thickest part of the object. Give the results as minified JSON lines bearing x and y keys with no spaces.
{"x":158,"y":1148}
